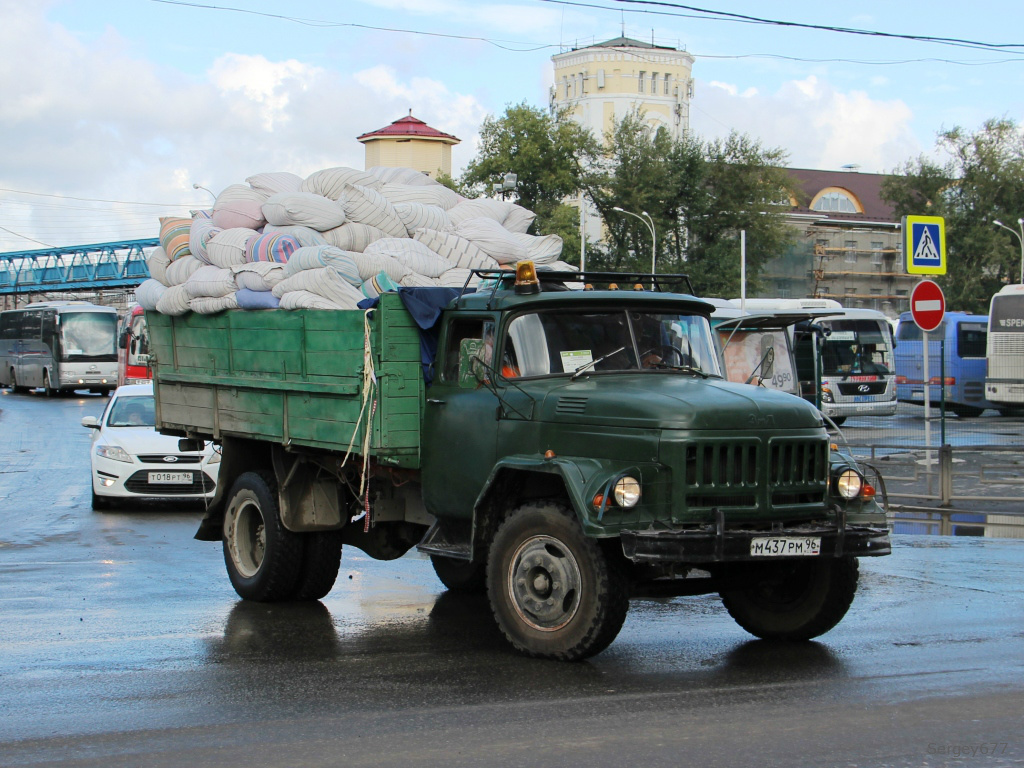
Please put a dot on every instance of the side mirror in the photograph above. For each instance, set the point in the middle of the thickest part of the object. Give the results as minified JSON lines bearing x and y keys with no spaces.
{"x":91,"y":422}
{"x":769,"y":364}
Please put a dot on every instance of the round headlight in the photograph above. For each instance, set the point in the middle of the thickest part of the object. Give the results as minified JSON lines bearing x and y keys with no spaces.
{"x":627,"y":492}
{"x":849,"y":484}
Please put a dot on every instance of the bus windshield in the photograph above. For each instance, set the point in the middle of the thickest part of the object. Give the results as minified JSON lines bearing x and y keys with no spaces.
{"x":88,"y":336}
{"x":855,"y":347}
{"x":562,"y":342}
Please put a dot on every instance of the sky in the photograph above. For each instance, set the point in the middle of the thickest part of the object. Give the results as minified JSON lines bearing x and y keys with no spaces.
{"x":111,"y":110}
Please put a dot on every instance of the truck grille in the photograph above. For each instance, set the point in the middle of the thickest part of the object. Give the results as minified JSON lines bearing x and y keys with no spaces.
{"x":734,"y":473}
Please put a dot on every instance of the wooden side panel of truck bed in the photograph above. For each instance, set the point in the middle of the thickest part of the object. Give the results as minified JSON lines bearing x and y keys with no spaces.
{"x":294,"y":378}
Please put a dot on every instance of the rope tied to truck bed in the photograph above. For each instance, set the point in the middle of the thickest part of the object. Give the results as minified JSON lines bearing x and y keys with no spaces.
{"x":369,"y":408}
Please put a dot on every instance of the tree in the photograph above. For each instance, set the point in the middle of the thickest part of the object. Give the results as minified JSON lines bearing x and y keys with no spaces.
{"x":548,"y":153}
{"x":699,"y":195}
{"x":981,"y":181}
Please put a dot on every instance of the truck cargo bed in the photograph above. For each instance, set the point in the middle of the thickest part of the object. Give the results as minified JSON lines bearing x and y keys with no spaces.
{"x":291,"y":377}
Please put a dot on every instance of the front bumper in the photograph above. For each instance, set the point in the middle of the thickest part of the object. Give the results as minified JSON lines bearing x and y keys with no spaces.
{"x":718,"y":544}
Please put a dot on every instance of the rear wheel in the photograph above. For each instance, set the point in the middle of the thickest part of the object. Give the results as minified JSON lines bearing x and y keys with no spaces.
{"x":793,"y":600}
{"x":321,"y":560}
{"x":1011,"y":411}
{"x":263,"y":558}
{"x":966,"y":411}
{"x":838,"y":420}
{"x":460,"y":575}
{"x":553,"y":592}
{"x":15,"y":387}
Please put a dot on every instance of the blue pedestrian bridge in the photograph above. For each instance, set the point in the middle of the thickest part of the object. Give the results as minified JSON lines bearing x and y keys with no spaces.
{"x":101,"y":265}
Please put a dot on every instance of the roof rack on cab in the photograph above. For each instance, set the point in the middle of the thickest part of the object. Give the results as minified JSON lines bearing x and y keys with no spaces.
{"x":527,"y":278}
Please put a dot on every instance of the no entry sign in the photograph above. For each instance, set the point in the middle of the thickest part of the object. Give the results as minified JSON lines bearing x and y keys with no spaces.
{"x":927,"y":305}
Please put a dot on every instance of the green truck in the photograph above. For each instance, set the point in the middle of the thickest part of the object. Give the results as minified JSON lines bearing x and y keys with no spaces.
{"x":564,"y":450}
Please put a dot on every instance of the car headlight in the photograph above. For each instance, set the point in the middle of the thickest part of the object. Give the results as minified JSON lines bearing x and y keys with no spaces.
{"x":627,"y":492}
{"x":849,"y":483}
{"x":826,"y":395}
{"x":114,"y":452}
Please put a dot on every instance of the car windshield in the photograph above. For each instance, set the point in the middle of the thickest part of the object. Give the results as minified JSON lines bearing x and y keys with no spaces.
{"x":132,"y":411}
{"x":560,"y":342}
{"x":855,"y":347}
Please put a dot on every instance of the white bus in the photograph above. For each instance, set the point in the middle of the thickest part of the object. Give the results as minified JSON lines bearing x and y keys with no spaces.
{"x":60,"y":346}
{"x":850,"y":351}
{"x":1004,"y":382}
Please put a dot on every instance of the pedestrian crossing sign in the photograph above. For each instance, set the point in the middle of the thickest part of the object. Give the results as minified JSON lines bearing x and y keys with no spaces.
{"x":924,"y":244}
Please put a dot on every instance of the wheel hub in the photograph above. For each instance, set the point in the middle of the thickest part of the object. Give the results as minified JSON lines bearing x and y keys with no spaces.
{"x":544,"y":583}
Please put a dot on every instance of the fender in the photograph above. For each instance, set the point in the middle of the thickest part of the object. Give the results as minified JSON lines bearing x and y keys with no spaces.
{"x":583,"y":478}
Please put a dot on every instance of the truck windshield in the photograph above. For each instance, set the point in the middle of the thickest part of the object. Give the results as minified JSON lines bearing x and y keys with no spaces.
{"x":564,"y":342}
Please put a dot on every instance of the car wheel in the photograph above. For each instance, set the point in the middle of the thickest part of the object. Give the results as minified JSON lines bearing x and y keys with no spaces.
{"x":966,"y":411}
{"x":101,"y":503}
{"x":793,"y":599}
{"x":552,"y":590}
{"x":460,"y":575}
{"x":263,"y":558}
{"x":838,"y":420}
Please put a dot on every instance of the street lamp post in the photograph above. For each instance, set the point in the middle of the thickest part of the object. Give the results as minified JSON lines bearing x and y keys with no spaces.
{"x":645,"y":217}
{"x":1020,"y":239}
{"x":200,"y":186}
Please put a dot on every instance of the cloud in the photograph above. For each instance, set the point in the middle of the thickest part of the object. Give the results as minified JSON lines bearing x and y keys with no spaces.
{"x":818,"y":125}
{"x":92,"y":120}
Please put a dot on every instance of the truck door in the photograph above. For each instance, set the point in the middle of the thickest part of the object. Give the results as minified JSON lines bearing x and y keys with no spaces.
{"x":460,"y":424}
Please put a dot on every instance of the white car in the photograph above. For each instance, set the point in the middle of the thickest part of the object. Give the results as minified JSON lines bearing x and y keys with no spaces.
{"x":131,"y":460}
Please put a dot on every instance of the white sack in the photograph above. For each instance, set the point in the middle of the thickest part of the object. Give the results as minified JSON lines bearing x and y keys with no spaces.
{"x":415,"y":280}
{"x":543,"y":249}
{"x":493,"y":239}
{"x":211,"y":305}
{"x":419,"y":216}
{"x":227,"y":247}
{"x":180,"y":269}
{"x":149,"y":292}
{"x":408,"y":176}
{"x":480,"y":207}
{"x":305,"y":235}
{"x":519,"y":219}
{"x":353,"y":236}
{"x":435,"y":194}
{"x":200,"y":232}
{"x":456,"y":278}
{"x":458,"y":250}
{"x":325,"y":282}
{"x":267,"y":184}
{"x":304,"y":209}
{"x":331,"y":182}
{"x":258,"y":275}
{"x":210,"y":282}
{"x":308,"y":300}
{"x":174,"y":301}
{"x":320,"y":256}
{"x":370,"y":264}
{"x":157,"y":263}
{"x":412,"y":253}
{"x":367,"y":206}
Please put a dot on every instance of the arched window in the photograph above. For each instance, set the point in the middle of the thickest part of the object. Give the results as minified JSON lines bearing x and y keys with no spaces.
{"x":836,"y":200}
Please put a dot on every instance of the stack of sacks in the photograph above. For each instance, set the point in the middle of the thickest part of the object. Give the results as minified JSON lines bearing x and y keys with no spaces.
{"x":331,"y":239}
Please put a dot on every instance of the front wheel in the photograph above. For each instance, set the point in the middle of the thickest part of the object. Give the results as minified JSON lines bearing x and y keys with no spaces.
{"x":263,"y":558}
{"x":793,"y":600}
{"x":51,"y":391}
{"x":552,"y":590}
{"x":460,"y":575}
{"x":101,"y":503}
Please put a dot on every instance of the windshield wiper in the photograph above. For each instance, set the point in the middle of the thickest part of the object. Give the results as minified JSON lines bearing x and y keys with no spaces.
{"x":584,"y":368}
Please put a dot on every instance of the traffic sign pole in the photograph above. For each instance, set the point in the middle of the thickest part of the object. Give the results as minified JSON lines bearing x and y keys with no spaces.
{"x":928,"y":308}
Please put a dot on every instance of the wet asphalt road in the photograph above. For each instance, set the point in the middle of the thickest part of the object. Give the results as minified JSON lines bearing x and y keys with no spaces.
{"x":122,"y":643}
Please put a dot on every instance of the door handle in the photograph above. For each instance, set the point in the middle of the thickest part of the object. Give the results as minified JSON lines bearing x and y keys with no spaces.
{"x":435,"y":401}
